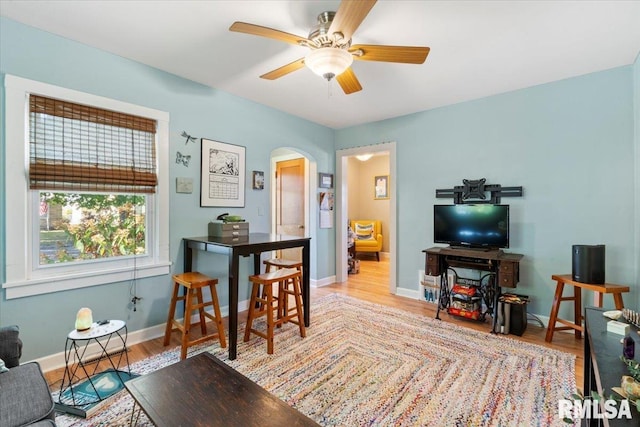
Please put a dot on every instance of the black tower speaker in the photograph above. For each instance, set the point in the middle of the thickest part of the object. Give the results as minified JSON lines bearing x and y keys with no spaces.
{"x":588,"y":263}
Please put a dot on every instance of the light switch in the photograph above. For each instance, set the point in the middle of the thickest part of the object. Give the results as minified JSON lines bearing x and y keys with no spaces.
{"x":184,"y":185}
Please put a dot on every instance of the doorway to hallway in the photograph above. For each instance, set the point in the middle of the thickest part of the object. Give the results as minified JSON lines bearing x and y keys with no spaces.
{"x":356,"y":196}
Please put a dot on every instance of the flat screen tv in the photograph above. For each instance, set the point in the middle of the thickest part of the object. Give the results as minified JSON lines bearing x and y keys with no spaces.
{"x":474,"y":226}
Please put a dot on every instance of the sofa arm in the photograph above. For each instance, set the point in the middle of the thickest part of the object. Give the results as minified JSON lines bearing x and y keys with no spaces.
{"x":25,"y":398}
{"x":10,"y":346}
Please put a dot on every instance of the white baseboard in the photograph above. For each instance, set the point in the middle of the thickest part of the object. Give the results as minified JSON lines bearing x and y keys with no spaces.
{"x":323,"y":282}
{"x":409,"y":293}
{"x":57,"y":360}
{"x":545,"y":321}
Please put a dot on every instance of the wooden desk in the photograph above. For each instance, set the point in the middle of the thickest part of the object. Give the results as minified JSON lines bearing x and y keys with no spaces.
{"x":603,"y":368}
{"x":254,"y":244}
{"x":203,"y":391}
{"x":562,"y":279}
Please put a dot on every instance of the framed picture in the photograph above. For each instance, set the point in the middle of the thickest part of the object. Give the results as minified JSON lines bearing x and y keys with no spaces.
{"x":381,"y":183}
{"x":258,"y":180}
{"x":222,"y":174}
{"x":326,"y":180}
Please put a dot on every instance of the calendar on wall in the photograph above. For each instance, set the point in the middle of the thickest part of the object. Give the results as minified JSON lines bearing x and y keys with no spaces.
{"x":222,"y":174}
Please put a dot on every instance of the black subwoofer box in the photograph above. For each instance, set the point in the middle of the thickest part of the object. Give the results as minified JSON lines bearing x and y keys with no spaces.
{"x":588,"y":263}
{"x":518,"y":319}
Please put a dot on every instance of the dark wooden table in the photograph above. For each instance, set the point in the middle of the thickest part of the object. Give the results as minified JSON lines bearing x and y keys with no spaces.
{"x":254,"y":244}
{"x":603,"y":368}
{"x":203,"y":391}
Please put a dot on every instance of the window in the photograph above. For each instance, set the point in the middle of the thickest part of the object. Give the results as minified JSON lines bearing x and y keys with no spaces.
{"x":78,"y":147}
{"x":90,"y":200}
{"x":80,"y":227}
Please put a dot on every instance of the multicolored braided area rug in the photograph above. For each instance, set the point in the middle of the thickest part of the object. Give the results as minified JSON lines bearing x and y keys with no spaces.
{"x":364,"y":364}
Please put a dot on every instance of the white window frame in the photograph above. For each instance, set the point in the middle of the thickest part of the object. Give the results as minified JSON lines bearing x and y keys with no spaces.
{"x":24,"y":275}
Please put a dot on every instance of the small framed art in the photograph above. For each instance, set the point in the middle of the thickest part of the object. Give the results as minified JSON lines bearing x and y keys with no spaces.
{"x":258,"y":180}
{"x":325,"y":180}
{"x":381,"y":190}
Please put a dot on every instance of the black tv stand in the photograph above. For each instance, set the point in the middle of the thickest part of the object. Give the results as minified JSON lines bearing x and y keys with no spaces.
{"x":503,"y":268}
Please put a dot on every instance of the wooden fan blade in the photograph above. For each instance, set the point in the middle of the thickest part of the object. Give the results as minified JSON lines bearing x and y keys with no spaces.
{"x":349,"y":82}
{"x":257,"y":30}
{"x":349,"y":16}
{"x":404,"y":54}
{"x":284,"y":70}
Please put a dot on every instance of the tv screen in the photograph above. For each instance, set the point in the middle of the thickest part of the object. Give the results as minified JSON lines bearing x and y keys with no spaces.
{"x":483,"y":225}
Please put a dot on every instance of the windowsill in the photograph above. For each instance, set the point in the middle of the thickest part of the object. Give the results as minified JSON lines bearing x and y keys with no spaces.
{"x":31,"y":287}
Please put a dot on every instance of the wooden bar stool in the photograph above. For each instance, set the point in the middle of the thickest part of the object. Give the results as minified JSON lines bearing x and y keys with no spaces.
{"x":278,"y":263}
{"x":193,"y":283}
{"x":264,"y":303}
{"x":600,"y":289}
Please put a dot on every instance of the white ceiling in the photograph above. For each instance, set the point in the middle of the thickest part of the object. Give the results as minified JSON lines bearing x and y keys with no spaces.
{"x":478,"y":48}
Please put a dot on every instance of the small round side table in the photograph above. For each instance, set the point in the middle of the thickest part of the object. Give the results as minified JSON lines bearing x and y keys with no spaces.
{"x":101,"y":342}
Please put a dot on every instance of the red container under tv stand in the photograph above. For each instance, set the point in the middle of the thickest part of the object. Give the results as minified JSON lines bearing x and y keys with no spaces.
{"x":504,"y":268}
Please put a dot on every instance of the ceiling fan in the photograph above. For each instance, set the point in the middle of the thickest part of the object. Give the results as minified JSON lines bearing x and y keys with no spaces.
{"x":331,"y":52}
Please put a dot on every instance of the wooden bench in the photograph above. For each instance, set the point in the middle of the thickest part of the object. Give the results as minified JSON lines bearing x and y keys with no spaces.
{"x":204,"y":391}
{"x":566,"y":279}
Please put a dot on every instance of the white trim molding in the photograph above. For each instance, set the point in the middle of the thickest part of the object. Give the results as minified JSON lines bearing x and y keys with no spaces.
{"x":23,"y":276}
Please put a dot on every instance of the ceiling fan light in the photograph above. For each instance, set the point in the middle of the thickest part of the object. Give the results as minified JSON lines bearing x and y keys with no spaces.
{"x":364,"y":157}
{"x":328,"y":62}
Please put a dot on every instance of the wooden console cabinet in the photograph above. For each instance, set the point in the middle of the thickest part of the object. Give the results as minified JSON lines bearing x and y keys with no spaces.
{"x":504,"y":267}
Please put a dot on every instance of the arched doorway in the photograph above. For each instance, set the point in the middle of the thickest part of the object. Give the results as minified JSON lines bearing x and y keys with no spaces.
{"x":303,"y":197}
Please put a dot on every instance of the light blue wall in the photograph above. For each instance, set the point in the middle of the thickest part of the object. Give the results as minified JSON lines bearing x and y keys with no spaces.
{"x":569,"y":144}
{"x":196,"y":109}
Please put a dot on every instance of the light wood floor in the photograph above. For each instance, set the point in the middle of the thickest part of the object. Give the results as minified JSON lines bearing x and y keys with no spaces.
{"x":371,"y":284}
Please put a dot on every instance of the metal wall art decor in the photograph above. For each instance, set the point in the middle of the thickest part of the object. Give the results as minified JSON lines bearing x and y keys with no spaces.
{"x":183,"y":159}
{"x":189,"y":138}
{"x":222,"y":174}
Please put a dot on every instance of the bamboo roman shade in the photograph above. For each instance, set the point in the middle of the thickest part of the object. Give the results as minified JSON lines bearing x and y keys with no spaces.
{"x":76,"y":147}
